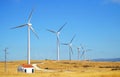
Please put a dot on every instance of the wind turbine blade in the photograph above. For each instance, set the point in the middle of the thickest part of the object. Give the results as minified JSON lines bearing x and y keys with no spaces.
{"x":34,"y":32}
{"x":51,"y":31}
{"x":64,"y":44}
{"x":71,"y":49}
{"x":82,"y":53}
{"x":19,"y":26}
{"x":78,"y":49}
{"x":82,"y":47}
{"x":29,"y":18}
{"x":61,"y":27}
{"x":72,"y":38}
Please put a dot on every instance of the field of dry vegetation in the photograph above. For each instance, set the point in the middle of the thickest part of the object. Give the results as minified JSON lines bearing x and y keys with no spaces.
{"x":64,"y":69}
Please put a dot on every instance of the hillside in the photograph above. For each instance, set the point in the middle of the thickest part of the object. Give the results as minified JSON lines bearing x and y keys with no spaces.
{"x":64,"y":69}
{"x":109,"y":59}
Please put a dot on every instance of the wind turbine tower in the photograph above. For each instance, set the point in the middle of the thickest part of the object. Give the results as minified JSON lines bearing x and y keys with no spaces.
{"x":58,"y":40}
{"x":70,"y":47}
{"x":78,"y":48}
{"x":30,"y":28}
{"x":5,"y":50}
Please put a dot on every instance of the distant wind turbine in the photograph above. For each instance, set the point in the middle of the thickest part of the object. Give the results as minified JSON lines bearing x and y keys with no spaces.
{"x":78,"y":49}
{"x":58,"y":40}
{"x":70,"y":47}
{"x":84,"y":51}
{"x":29,"y":25}
{"x":5,"y":50}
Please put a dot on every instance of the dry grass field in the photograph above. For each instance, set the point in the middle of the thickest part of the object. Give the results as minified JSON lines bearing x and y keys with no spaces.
{"x":64,"y":69}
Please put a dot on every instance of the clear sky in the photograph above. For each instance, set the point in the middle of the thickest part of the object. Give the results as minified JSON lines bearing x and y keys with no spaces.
{"x":96,"y":24}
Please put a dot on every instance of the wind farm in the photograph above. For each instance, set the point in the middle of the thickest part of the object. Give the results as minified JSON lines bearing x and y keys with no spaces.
{"x":59,"y":38}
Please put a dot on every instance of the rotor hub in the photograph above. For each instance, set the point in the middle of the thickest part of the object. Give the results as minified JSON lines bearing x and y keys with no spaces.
{"x":29,"y":24}
{"x":70,"y":44}
{"x":58,"y":33}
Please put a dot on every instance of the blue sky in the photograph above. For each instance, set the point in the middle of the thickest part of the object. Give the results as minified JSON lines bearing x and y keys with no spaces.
{"x":96,"y":24}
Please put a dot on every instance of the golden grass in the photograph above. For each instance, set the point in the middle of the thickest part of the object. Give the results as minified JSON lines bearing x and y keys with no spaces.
{"x":64,"y":69}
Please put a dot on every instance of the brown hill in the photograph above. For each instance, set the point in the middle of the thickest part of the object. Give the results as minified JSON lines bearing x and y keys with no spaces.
{"x":64,"y":68}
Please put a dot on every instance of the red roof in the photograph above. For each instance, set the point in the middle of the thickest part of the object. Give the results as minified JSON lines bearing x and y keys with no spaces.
{"x":27,"y":66}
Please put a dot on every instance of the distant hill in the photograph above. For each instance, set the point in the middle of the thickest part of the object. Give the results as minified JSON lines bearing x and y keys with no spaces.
{"x":108,"y":59}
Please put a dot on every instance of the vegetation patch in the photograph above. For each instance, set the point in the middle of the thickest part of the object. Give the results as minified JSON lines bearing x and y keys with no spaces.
{"x":109,"y":66}
{"x":114,"y":69}
{"x":86,"y":66}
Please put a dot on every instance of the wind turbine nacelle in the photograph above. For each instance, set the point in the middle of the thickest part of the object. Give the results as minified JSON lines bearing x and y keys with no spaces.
{"x":70,"y":44}
{"x":29,"y":24}
{"x":58,"y":33}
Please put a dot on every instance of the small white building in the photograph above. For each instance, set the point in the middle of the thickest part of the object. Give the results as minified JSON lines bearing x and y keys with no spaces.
{"x":27,"y":68}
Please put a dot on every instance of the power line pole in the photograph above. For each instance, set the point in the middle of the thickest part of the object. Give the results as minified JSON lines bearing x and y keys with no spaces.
{"x":5,"y":50}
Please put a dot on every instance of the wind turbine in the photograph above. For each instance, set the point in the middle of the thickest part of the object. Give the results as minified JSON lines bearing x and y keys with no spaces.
{"x":84,"y":51}
{"x":58,"y":40}
{"x":70,"y":47}
{"x":29,"y":25}
{"x":78,"y":49}
{"x":5,"y":50}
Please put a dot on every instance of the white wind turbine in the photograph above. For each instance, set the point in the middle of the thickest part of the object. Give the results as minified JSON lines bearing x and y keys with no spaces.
{"x":84,"y":52}
{"x":29,"y":25}
{"x":58,"y":40}
{"x":5,"y":50}
{"x":78,"y":49}
{"x":70,"y":47}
